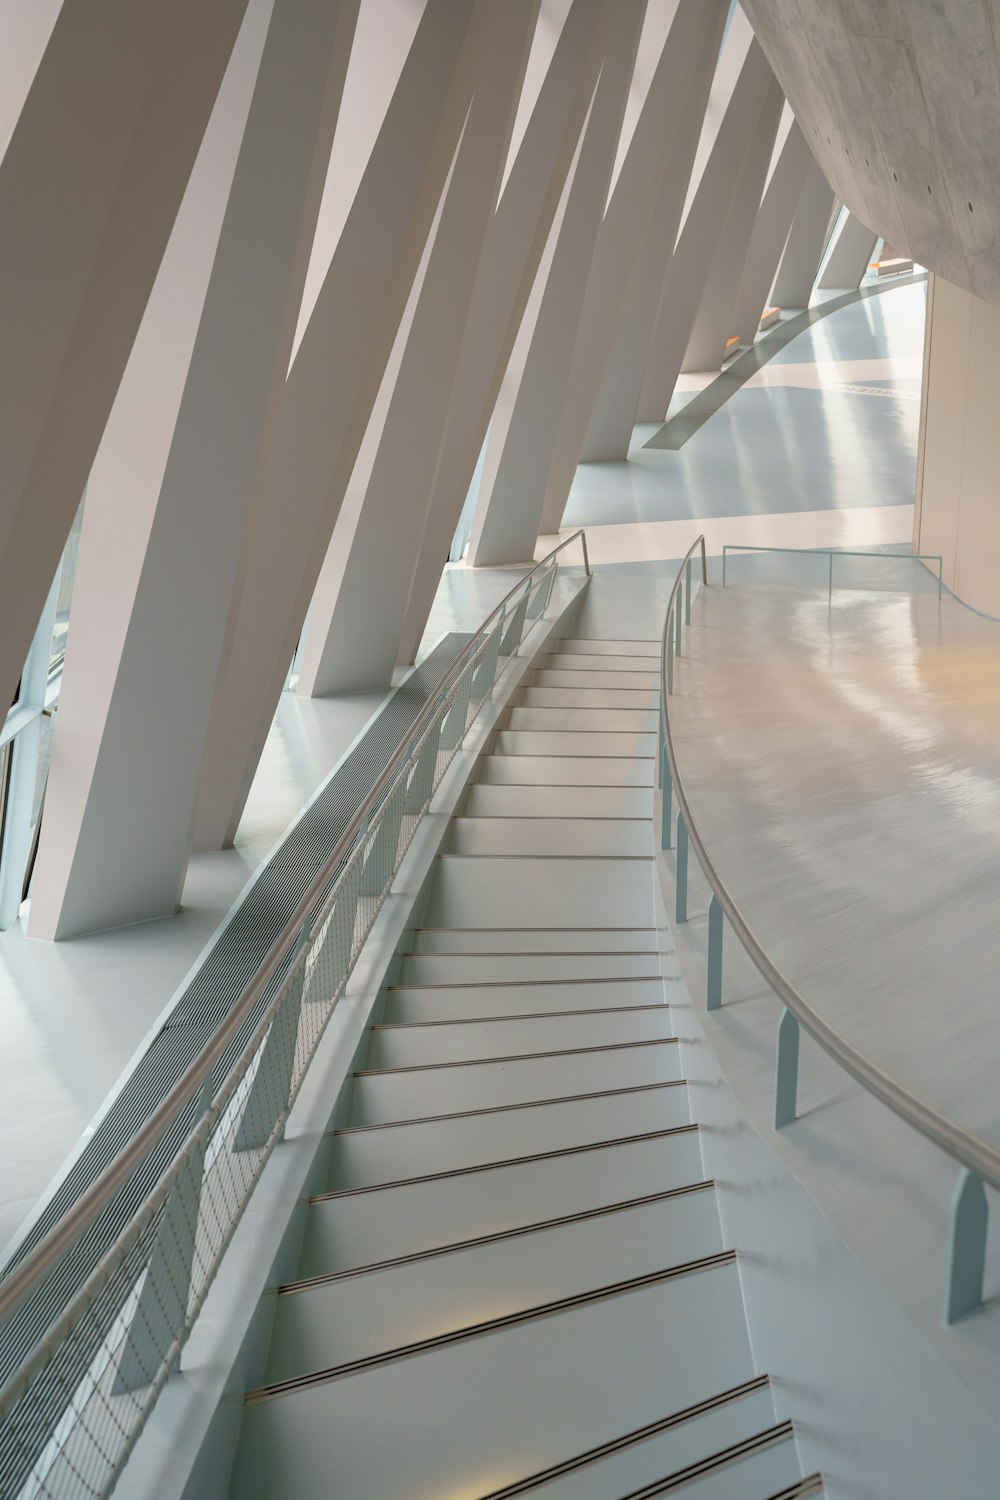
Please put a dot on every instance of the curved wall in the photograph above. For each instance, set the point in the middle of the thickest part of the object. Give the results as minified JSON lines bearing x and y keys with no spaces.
{"x":899,"y":103}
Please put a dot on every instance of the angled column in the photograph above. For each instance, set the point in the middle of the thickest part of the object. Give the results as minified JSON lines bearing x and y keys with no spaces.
{"x":511,"y":258}
{"x":609,"y":429}
{"x":331,"y":389}
{"x":713,"y":323}
{"x":150,"y":615}
{"x":770,"y":230}
{"x":807,"y":238}
{"x":852,"y":249}
{"x":518,"y":455}
{"x":90,"y":185}
{"x":690,"y":265}
{"x":360,"y":597}
{"x":651,"y":153}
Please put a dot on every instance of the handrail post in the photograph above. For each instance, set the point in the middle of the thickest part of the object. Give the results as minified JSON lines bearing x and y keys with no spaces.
{"x":704,"y":563}
{"x":681,"y":902}
{"x":713,"y":987}
{"x":586,"y":555}
{"x":678,"y":612}
{"x":661,"y":749}
{"x":725,"y":554}
{"x":669,"y":648}
{"x":829,"y":588}
{"x":967,"y":1224}
{"x":666,"y":806}
{"x":786,"y":1070}
{"x":687,"y":593}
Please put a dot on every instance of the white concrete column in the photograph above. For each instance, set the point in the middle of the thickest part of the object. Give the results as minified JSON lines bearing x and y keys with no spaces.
{"x":331,"y":388}
{"x":511,"y":259}
{"x":665,"y":58}
{"x":958,"y":455}
{"x":770,"y":232}
{"x":360,"y":598}
{"x":851,"y":251}
{"x":807,"y":238}
{"x":706,"y":221}
{"x":713,"y":323}
{"x":90,"y":184}
{"x":518,"y":454}
{"x":175,"y":478}
{"x":612,"y":419}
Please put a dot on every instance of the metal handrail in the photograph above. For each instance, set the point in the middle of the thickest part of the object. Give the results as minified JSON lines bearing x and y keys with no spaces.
{"x":971,"y":1152}
{"x":22,"y":1280}
{"x":834,"y":552}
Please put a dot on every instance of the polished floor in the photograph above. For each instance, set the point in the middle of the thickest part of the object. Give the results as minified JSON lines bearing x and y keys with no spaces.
{"x":817,"y":449}
{"x":842,"y":757}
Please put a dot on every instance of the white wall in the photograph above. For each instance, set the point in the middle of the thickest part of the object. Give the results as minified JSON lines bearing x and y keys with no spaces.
{"x":958,"y":457}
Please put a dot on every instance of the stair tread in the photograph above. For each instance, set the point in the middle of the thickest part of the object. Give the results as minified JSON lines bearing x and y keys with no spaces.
{"x":291,"y":1444}
{"x":337,"y":1322}
{"x":564,"y":770}
{"x":538,"y":940}
{"x":496,"y":799}
{"x":568,"y":838}
{"x":366,"y":1157}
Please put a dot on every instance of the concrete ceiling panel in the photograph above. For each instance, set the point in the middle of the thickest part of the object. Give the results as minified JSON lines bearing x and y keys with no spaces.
{"x":900,"y":103}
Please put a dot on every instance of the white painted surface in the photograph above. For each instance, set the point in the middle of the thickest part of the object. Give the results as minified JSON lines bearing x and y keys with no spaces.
{"x":957,"y":513}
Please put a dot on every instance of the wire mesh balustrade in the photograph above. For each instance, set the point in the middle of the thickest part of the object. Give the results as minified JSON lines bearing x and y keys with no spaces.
{"x":71,"y":1412}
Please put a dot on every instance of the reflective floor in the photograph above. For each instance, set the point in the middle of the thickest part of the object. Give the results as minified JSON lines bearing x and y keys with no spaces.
{"x":817,"y":449}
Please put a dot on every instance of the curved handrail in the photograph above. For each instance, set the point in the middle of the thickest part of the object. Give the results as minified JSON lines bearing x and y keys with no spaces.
{"x":23,"y":1278}
{"x":967,"y":1149}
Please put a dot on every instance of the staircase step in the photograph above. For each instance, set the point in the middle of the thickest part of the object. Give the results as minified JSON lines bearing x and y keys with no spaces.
{"x":537,"y":940}
{"x":405,"y":1005}
{"x":578,"y":661}
{"x":475,"y":970}
{"x":539,"y":892}
{"x":569,"y":838}
{"x":404,"y":1046}
{"x":762,"y":1472}
{"x":564,"y":770}
{"x":565,"y":677}
{"x":587,"y":646}
{"x":356,"y":1317}
{"x":630,"y":720}
{"x":499,"y":1406}
{"x":669,"y":1446}
{"x":414,"y":1215}
{"x":515,"y":802}
{"x":365,"y":1158}
{"x":626,"y":699}
{"x":614,"y":743}
{"x":378,"y":1097}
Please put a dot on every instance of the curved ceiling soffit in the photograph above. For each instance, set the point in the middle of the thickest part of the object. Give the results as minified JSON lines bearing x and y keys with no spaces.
{"x":900,"y":103}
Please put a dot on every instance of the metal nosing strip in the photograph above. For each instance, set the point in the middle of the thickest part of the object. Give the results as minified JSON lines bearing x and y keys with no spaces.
{"x":760,"y":1440}
{"x":474,"y":1241}
{"x":527,"y":1015}
{"x":604,"y":858}
{"x":499,"y":1109}
{"x":505,"y":1161}
{"x":484,"y":1062}
{"x":585,"y":786}
{"x":628,"y":1440}
{"x":538,"y":929}
{"x":542,"y":953}
{"x":495,"y":984}
{"x":492,"y":1325}
{"x":812,"y":1484}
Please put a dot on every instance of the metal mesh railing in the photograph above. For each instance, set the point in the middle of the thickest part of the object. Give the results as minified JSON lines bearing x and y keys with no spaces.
{"x":71,"y":1413}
